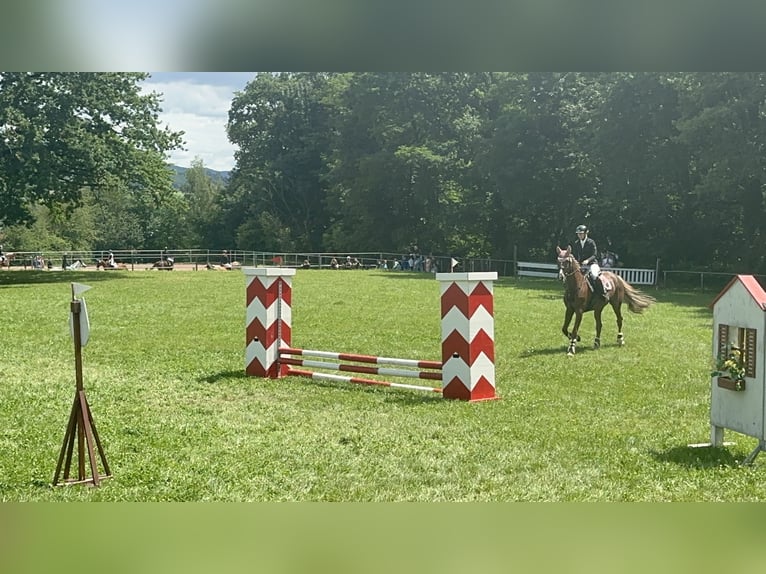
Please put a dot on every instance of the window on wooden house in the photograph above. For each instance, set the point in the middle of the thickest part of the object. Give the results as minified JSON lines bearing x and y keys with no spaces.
{"x":742,"y":338}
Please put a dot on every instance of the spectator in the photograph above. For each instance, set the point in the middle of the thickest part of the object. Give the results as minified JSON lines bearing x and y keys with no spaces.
{"x":76,"y":264}
{"x":225,"y":260}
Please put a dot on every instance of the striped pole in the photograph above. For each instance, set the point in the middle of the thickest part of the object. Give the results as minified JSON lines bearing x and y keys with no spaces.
{"x":414,"y":363}
{"x":345,"y":379}
{"x":433,"y":375}
{"x":269,"y":318}
{"x":468,"y":332}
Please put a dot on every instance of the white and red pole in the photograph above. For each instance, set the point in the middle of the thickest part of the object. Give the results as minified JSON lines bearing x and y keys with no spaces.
{"x":468,"y":335}
{"x":269,"y":317}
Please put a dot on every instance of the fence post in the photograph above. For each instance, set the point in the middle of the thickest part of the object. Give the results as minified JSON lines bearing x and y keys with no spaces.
{"x":269,"y":319}
{"x":468,"y":335}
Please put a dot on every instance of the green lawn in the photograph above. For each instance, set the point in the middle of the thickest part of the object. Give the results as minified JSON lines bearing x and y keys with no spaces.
{"x":179,"y":420}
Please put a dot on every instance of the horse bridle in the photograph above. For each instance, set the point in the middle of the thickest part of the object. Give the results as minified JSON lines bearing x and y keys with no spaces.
{"x":572,"y":264}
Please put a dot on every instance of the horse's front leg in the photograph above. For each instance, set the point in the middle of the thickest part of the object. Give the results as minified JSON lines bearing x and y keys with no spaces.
{"x":567,"y":320}
{"x":597,"y":316}
{"x":573,"y":336}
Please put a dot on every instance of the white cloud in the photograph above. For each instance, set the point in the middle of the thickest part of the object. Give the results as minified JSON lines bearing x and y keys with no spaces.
{"x":198,"y":104}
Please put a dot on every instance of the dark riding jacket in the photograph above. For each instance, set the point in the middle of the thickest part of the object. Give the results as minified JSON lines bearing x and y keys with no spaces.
{"x":586,"y":253}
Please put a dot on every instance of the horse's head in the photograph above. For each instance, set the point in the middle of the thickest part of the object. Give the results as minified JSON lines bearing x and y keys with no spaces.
{"x":567,"y":262}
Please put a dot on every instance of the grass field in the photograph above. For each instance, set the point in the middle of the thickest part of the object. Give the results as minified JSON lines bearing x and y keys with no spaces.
{"x":164,"y":375}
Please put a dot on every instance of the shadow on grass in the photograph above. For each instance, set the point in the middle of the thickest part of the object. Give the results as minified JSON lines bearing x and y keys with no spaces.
{"x":697,"y":457}
{"x":390,"y":395}
{"x":393,"y":395}
{"x":582,"y":347}
{"x":215,"y":377}
{"x":35,"y":277}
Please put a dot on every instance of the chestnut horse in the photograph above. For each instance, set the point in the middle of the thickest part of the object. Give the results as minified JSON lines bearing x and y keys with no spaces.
{"x":579,"y":299}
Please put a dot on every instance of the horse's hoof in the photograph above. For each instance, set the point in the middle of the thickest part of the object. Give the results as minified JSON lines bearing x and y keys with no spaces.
{"x":570,"y":354}
{"x":596,"y":344}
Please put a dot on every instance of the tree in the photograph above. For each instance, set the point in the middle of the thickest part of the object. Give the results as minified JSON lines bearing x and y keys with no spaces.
{"x":539,"y":179}
{"x":203,"y":196}
{"x":281,"y":125}
{"x":401,"y":171}
{"x":63,"y":132}
{"x":724,"y":127}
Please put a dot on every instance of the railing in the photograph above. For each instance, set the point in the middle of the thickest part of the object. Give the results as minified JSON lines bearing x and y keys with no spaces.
{"x":528,"y":269}
{"x":633,"y":276}
{"x":636,"y":276}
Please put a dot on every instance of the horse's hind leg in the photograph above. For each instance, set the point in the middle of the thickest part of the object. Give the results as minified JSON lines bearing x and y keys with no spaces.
{"x":618,"y":314}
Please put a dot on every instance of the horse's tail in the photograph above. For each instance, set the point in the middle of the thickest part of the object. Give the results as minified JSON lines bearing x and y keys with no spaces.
{"x":637,"y":300}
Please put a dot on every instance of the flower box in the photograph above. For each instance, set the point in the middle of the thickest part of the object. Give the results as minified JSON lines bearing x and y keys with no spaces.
{"x":731,"y":384}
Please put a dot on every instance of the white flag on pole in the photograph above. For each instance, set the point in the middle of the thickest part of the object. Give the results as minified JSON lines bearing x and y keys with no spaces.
{"x":79,"y":288}
{"x":453,"y":263}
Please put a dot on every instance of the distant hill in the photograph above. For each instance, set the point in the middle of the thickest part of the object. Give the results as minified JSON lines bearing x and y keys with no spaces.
{"x":180,"y":175}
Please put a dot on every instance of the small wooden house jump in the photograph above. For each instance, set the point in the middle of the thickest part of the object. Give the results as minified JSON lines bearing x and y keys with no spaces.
{"x":739,"y":326}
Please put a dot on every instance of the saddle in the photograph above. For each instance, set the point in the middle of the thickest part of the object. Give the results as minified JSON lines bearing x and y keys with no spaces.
{"x":593,"y":275}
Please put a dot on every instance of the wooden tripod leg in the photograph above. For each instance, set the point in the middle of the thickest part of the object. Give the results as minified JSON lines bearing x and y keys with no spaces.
{"x":80,"y":440}
{"x":85,"y":409}
{"x":68,"y":445}
{"x":98,"y":441}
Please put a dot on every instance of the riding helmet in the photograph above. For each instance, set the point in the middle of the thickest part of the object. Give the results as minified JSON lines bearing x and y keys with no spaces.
{"x":581,"y":228}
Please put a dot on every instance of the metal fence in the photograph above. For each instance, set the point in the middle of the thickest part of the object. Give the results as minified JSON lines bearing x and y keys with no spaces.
{"x":135,"y":258}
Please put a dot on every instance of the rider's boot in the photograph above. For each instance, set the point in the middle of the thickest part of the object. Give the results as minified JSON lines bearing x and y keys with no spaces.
{"x":598,"y":288}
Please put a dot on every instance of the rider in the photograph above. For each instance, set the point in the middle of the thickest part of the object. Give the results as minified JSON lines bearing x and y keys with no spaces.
{"x":111,"y":262}
{"x":585,"y":251}
{"x":2,"y":255}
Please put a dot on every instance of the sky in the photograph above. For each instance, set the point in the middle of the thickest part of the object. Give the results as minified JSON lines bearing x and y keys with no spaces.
{"x":198,"y":103}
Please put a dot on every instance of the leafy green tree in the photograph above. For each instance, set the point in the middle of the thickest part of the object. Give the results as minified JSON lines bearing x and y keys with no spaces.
{"x":203,"y":196}
{"x":639,"y":207}
{"x":63,"y":132}
{"x":280,"y":122}
{"x":539,"y":179}
{"x":724,"y":127}
{"x":401,"y":169}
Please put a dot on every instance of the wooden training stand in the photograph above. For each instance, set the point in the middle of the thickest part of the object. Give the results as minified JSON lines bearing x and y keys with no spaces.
{"x":81,"y":426}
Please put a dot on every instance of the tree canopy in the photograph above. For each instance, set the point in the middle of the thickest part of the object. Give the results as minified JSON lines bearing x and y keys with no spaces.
{"x":63,"y":132}
{"x":658,"y":165}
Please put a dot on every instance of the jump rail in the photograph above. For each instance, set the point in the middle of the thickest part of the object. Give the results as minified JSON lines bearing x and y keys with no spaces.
{"x":432,"y":375}
{"x":467,"y":368}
